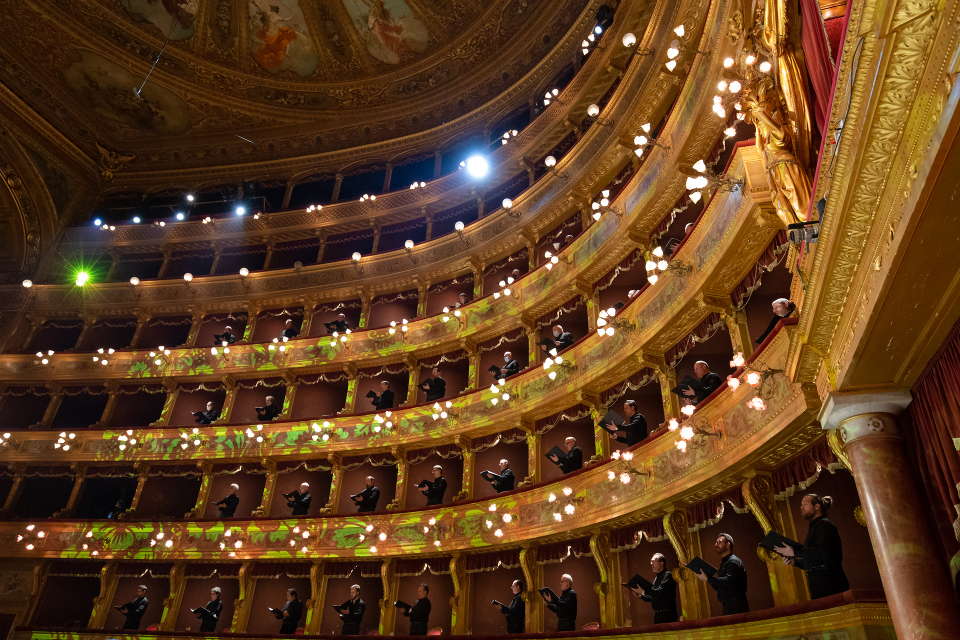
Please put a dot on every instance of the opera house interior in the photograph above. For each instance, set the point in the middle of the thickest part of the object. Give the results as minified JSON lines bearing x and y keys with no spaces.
{"x":502,"y":318}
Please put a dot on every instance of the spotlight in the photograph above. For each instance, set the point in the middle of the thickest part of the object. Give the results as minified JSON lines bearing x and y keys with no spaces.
{"x":240,"y":210}
{"x":190,"y":197}
{"x":29,"y":283}
{"x":477,"y":166}
{"x":180,"y":216}
{"x":136,"y":220}
{"x":97,"y":222}
{"x":82,"y":278}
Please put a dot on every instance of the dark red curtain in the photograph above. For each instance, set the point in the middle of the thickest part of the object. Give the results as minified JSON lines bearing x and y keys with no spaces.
{"x":816,"y":52}
{"x":931,"y":423}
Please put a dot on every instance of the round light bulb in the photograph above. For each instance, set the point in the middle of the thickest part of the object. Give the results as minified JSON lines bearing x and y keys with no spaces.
{"x":27,"y":284}
{"x":507,"y":203}
{"x":356,"y":256}
{"x":629,"y":39}
{"x":458,"y":226}
{"x":244,"y":272}
{"x":188,"y":277}
{"x":550,"y":161}
{"x":593,"y":110}
{"x":134,"y":280}
{"x":408,"y":244}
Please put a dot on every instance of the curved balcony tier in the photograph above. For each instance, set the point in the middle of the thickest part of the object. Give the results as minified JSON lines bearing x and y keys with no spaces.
{"x":645,"y":95}
{"x":738,"y":227}
{"x":731,"y":438}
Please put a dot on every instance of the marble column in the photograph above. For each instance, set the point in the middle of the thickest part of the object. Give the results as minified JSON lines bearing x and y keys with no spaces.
{"x":917,"y":587}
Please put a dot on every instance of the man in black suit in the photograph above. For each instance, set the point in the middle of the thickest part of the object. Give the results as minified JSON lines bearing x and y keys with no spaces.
{"x":385,"y":399}
{"x":351,"y":612}
{"x":782,"y":308}
{"x":462,"y":299}
{"x":289,"y":615}
{"x":367,"y":499}
{"x":510,"y":367}
{"x":339,"y":325}
{"x":634,"y":427}
{"x":208,"y":415}
{"x":435,"y":386}
{"x":225,"y":338}
{"x":133,"y":611}
{"x":228,"y":506}
{"x":564,"y":605}
{"x":270,"y":409}
{"x":419,"y":613}
{"x":730,"y":580}
{"x":502,"y":481}
{"x":299,"y":500}
{"x":821,"y":556}
{"x":561,"y":340}
{"x":698,"y":388}
{"x":289,"y":331}
{"x":515,"y":611}
{"x":662,"y":593}
{"x":572,"y":458}
{"x":434,"y":489}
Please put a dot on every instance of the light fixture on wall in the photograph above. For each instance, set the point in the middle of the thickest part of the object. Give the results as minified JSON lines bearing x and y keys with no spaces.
{"x":642,"y":141}
{"x":700,"y":178}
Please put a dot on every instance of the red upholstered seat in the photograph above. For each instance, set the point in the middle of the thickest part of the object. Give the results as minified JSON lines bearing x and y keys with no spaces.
{"x":436,"y":631}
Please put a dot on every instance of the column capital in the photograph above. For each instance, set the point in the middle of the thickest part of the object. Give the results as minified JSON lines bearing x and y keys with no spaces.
{"x":839,"y":407}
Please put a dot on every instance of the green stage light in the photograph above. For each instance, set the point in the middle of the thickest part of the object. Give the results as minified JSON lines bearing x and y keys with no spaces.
{"x":81,"y":278}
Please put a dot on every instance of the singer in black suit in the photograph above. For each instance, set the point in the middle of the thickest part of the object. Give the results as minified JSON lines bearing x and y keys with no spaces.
{"x":289,"y":331}
{"x":434,"y":489}
{"x":572,"y":459}
{"x":228,"y":506}
{"x":821,"y":556}
{"x":208,"y":415}
{"x":435,"y":386}
{"x":351,"y":612}
{"x":339,"y":325}
{"x":299,"y":500}
{"x":515,"y":612}
{"x":385,"y":399}
{"x":225,"y":338}
{"x":662,"y":593}
{"x":133,"y":611}
{"x":367,"y":499}
{"x":699,"y":387}
{"x":419,"y":613}
{"x":782,"y":308}
{"x":560,"y":341}
{"x":510,"y":366}
{"x":290,"y":614}
{"x":270,"y":409}
{"x":564,"y":605}
{"x":209,"y":614}
{"x":502,"y":481}
{"x":730,"y":580}
{"x":634,"y":427}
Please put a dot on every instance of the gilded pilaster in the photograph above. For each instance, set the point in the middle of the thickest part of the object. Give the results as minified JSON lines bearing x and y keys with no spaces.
{"x":241,"y":606}
{"x":173,"y":601}
{"x":739,"y":330}
{"x":289,"y":395}
{"x":694,"y":598}
{"x":173,"y":392}
{"x":667,"y":377}
{"x":16,"y":488}
{"x":269,"y":487}
{"x":196,"y":322}
{"x":388,"y":612}
{"x":318,"y":595}
{"x":336,"y":486}
{"x":460,"y":600}
{"x":403,"y":473}
{"x":103,"y":601}
{"x":534,"y":466}
{"x":229,"y":398}
{"x":608,"y":588}
{"x":533,"y":576}
{"x":109,"y":408}
{"x":143,"y":473}
{"x":79,"y":476}
{"x":203,"y":493}
{"x":469,"y":459}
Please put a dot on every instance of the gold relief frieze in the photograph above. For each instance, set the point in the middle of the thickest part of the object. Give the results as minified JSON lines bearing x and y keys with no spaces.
{"x":858,"y":208}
